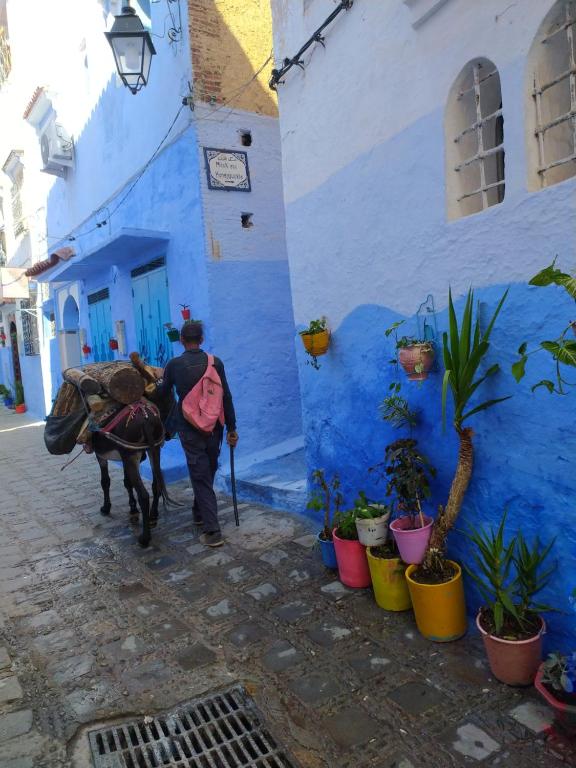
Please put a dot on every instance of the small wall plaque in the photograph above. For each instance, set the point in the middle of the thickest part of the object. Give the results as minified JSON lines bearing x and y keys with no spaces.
{"x":227,"y":169}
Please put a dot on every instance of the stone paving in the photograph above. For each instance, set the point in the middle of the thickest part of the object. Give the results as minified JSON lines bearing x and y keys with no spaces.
{"x":92,"y":627}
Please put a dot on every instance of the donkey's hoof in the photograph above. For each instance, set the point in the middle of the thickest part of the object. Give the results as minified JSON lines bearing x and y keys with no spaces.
{"x":144,"y":541}
{"x":105,"y":510}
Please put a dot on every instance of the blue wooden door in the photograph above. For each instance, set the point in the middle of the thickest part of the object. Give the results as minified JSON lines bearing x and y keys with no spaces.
{"x":152,"y":311}
{"x":100,"y":316}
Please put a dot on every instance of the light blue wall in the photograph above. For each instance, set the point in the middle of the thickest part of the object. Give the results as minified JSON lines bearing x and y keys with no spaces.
{"x":366,"y":248}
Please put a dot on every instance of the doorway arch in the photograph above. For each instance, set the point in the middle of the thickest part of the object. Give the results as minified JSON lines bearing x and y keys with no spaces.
{"x":69,"y":337}
{"x":15,"y":357}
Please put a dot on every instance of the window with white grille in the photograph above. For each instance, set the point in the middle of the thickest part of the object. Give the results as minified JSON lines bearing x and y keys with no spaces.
{"x":474,"y":129}
{"x":30,"y":327}
{"x":552,"y":91}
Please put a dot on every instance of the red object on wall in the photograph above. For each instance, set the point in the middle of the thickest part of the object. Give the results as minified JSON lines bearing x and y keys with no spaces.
{"x":185,"y":314}
{"x":113,"y":344}
{"x":86,"y":349}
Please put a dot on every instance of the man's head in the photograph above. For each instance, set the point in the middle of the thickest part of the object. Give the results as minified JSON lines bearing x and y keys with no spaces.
{"x":192,"y":334}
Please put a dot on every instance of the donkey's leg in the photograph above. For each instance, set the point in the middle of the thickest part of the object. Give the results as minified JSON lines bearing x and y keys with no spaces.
{"x":154,"y":457}
{"x":105,"y":483}
{"x":131,"y":462}
{"x":131,"y":499}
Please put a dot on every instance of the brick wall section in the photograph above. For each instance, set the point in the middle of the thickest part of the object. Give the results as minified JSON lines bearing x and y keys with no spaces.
{"x":230,"y":40}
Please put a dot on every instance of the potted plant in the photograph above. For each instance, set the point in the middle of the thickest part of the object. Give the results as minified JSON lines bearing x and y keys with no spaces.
{"x":371,"y":521}
{"x":8,"y":398}
{"x":350,"y":554}
{"x":387,"y":572}
{"x":326,"y":496}
{"x":185,"y":312}
{"x":408,"y":473}
{"x":509,"y":577}
{"x":19,"y":404}
{"x":113,"y":343}
{"x":556,"y":682}
{"x":173,"y":333}
{"x":86,"y":350}
{"x":3,"y":339}
{"x":436,"y":585}
{"x":415,"y":356}
{"x":316,"y":340}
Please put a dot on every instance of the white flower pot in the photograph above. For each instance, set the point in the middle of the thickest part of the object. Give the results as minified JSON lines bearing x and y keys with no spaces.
{"x":374,"y":532}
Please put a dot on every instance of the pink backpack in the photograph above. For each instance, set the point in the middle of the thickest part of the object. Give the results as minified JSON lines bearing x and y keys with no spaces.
{"x":203,"y":406}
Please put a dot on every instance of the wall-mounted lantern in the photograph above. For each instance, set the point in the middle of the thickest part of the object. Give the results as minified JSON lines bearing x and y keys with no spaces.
{"x":132,"y":48}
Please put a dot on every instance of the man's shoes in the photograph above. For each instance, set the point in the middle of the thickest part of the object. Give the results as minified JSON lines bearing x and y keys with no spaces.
{"x":211,"y":539}
{"x":197,"y":518}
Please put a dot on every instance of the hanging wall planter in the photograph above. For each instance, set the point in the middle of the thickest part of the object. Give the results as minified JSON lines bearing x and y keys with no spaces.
{"x":416,"y":358}
{"x":113,"y":343}
{"x":86,"y":350}
{"x":185,"y":312}
{"x":316,"y":340}
{"x":173,"y":334}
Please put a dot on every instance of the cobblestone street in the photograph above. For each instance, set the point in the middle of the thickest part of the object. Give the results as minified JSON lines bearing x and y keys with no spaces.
{"x":94,"y":628}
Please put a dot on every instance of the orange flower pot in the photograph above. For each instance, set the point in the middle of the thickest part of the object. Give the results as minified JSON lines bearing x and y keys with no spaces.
{"x":20,"y":408}
{"x":439,"y":609}
{"x":316,"y":344}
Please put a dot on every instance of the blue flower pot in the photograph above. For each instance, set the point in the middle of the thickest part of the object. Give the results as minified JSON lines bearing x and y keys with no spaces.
{"x":9,"y":402}
{"x":328,"y":553}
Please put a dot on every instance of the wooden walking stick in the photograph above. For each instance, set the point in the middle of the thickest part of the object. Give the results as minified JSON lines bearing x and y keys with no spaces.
{"x":233,"y":483}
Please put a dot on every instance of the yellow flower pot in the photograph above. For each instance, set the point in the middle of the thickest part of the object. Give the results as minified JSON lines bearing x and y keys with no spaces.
{"x":389,"y":582}
{"x":316,"y":343}
{"x":440,"y":609}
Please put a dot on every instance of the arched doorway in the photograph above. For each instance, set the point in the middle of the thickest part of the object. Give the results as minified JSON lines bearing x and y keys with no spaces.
{"x":15,"y":357}
{"x":69,"y":337}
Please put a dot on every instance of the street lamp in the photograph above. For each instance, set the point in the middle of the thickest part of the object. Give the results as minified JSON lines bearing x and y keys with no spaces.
{"x":132,"y":48}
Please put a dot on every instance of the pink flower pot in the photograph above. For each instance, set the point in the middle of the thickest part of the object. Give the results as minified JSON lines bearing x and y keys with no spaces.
{"x":514,"y":662}
{"x":412,"y":542}
{"x":352,"y":562}
{"x":417,"y":361}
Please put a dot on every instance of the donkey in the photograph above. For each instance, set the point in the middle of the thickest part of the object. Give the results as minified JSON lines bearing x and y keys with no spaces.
{"x":130,"y":434}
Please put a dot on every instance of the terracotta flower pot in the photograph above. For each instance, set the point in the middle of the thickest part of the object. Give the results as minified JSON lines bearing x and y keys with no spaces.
{"x":113,"y":344}
{"x":185,"y":314}
{"x":352,"y":562}
{"x":565,"y":713}
{"x":417,"y":360}
{"x":316,"y":343}
{"x":514,"y":662}
{"x":20,"y":408}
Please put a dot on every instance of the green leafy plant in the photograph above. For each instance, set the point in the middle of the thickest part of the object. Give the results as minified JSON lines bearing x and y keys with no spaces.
{"x":411,"y":341}
{"x":4,"y":391}
{"x":326,"y":498}
{"x":19,"y":393}
{"x":369,"y":510}
{"x":316,"y":326}
{"x":464,"y":350}
{"x":395,"y":409}
{"x":345,"y":522}
{"x":559,"y":673}
{"x":563,"y":350}
{"x":408,"y":474}
{"x":508,"y":576}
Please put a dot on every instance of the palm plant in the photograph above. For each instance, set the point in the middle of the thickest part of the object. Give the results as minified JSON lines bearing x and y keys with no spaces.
{"x":464,"y":349}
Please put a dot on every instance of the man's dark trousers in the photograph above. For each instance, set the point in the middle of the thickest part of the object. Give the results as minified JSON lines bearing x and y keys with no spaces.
{"x":202,"y":458}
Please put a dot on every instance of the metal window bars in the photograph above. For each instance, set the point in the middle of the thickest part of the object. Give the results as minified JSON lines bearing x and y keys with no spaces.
{"x":542,"y":127}
{"x":29,"y":328}
{"x":5,"y":57}
{"x":483,"y":152}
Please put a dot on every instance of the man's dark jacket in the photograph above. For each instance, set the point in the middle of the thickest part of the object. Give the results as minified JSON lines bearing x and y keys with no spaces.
{"x":183,"y":373}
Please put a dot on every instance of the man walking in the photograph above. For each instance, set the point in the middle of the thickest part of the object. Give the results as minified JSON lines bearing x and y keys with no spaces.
{"x":201,"y":449}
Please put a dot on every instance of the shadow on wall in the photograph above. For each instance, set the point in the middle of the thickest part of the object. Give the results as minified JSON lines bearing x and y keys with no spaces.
{"x":525,"y":448}
{"x":230,"y":42}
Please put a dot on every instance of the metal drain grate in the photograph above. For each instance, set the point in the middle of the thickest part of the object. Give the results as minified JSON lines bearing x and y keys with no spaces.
{"x":220,"y":731}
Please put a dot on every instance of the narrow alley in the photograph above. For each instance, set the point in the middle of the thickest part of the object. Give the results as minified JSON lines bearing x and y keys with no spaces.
{"x":95,"y":630}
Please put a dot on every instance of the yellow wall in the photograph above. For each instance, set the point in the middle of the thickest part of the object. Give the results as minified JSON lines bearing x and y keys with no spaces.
{"x":230,"y":41}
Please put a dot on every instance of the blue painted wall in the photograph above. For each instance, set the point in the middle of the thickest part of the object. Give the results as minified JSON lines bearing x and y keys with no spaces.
{"x":368,"y":241}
